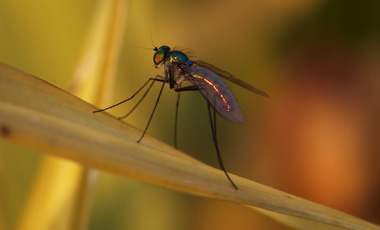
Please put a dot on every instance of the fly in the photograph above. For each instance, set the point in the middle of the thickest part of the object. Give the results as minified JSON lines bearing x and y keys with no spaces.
{"x":182,"y":75}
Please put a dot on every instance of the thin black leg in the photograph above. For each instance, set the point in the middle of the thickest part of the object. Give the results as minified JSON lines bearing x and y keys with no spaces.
{"x":214,"y":123}
{"x":187,"y":88}
{"x":138,"y":103}
{"x":154,"y":109}
{"x":179,"y":90}
{"x":176,"y":121}
{"x":213,"y":130}
{"x":150,"y":79}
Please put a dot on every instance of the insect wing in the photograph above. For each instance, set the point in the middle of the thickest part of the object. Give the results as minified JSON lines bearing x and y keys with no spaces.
{"x":230,"y":77}
{"x":216,"y":92}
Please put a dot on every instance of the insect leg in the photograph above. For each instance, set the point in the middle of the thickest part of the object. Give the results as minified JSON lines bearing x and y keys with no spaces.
{"x":187,"y":88}
{"x":176,"y":121}
{"x":213,"y":130}
{"x":150,"y":79}
{"x":142,"y":98}
{"x":154,"y":109}
{"x":179,"y":90}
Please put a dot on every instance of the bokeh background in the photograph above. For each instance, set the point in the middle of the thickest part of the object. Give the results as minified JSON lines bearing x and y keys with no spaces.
{"x":317,"y":136}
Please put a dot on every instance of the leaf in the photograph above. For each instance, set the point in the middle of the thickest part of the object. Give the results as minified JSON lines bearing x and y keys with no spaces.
{"x":37,"y":114}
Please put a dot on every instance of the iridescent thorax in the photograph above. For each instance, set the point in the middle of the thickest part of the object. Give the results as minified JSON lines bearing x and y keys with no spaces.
{"x":178,"y":56}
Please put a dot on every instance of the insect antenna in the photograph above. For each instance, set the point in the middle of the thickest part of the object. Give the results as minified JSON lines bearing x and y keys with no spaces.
{"x":144,"y":48}
{"x":151,"y":39}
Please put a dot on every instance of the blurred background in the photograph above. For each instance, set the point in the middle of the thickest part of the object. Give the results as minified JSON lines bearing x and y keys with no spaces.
{"x":316,"y":137}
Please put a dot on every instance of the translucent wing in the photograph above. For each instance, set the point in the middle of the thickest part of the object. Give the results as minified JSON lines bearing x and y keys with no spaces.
{"x":230,"y":77}
{"x":215,"y":91}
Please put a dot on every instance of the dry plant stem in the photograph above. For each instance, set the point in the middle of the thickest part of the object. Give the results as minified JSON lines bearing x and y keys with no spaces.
{"x":107,"y":75}
{"x":39,"y":115}
{"x":113,"y":49}
{"x":84,"y":198}
{"x":69,"y":199}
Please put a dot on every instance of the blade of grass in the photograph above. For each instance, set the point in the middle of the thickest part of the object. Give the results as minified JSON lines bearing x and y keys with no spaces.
{"x":71,"y":186}
{"x":39,"y":115}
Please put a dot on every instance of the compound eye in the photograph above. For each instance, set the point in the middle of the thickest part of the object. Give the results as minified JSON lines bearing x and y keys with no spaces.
{"x":158,"y":57}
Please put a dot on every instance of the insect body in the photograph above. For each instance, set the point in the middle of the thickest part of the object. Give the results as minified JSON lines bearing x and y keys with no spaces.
{"x":179,"y":69}
{"x":183,"y":74}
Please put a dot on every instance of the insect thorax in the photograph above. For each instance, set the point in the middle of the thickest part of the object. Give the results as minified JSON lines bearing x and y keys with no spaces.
{"x":176,"y":61}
